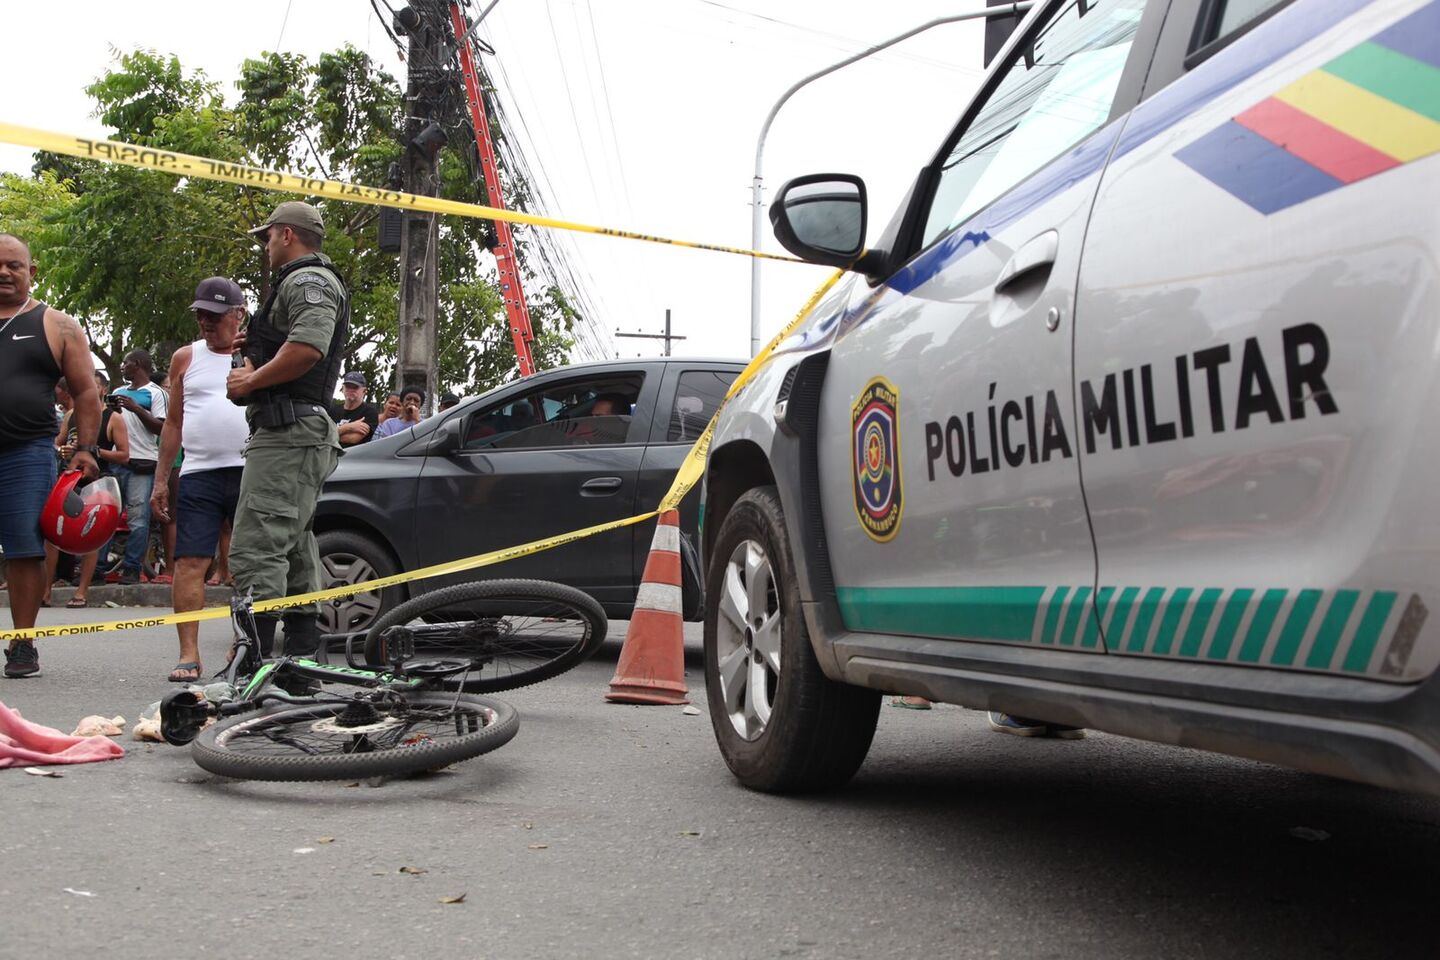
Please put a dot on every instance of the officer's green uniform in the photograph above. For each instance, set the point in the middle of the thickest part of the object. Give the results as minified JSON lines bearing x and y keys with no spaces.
{"x":273,"y":550}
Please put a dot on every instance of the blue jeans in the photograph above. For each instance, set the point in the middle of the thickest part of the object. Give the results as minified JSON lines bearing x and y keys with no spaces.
{"x":27,"y":472}
{"x":137,"y":487}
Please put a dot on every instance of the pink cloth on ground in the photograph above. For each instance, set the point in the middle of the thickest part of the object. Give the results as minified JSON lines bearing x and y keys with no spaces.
{"x":26,"y":744}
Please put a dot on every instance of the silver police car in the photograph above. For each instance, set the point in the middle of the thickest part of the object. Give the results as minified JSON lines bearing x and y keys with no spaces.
{"x":1124,"y":420}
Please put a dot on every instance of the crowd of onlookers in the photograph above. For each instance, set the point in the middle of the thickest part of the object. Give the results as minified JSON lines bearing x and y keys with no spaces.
{"x":132,"y":420}
{"x":359,"y":421}
{"x":131,"y":423}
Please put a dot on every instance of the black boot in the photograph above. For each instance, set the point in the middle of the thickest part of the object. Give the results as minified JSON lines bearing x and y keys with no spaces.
{"x":302,"y":634}
{"x":265,"y":624}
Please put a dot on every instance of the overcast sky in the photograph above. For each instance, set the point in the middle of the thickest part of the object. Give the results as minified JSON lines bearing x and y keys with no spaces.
{"x":641,"y":114}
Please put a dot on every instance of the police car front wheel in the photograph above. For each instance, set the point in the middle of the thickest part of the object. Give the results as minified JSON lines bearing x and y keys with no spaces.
{"x":781,"y":724}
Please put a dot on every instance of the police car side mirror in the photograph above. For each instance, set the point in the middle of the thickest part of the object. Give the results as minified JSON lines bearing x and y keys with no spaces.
{"x":821,"y":218}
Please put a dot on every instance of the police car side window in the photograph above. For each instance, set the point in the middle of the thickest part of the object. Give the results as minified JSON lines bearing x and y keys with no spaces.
{"x":1058,"y":88}
{"x":1221,"y":18}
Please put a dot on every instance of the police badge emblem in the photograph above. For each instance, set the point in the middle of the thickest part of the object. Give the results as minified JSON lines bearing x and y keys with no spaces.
{"x":874,"y":421}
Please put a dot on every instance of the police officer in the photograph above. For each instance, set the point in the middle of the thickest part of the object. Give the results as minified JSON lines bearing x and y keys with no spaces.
{"x":291,"y":361}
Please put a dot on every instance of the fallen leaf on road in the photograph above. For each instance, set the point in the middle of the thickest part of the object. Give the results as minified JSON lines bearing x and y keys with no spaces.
{"x":539,"y":846}
{"x":528,"y":825}
{"x":689,"y":833}
{"x":1308,"y":833}
{"x":325,"y":840}
{"x":414,"y":871}
{"x":42,"y":772}
{"x":78,"y":893}
{"x":459,"y":899}
{"x":691,"y":711}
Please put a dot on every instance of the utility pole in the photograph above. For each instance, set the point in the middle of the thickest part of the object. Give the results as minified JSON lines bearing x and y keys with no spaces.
{"x":424,"y":22}
{"x":667,"y":336}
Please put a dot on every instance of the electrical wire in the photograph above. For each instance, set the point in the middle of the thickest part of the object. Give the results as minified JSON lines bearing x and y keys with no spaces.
{"x":283,"y":21}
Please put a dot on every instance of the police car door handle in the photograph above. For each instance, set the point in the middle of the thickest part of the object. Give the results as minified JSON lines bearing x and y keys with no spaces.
{"x":600,"y":487}
{"x":1035,"y":255}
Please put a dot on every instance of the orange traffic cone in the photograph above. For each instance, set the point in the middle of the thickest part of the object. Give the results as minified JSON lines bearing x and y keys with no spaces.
{"x":652,"y":662}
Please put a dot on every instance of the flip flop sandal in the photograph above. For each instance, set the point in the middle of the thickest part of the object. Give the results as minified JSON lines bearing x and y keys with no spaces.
{"x":910,"y":703}
{"x":182,"y":672}
{"x":77,"y":603}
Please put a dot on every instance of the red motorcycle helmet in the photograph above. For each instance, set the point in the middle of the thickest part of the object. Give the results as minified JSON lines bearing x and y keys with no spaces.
{"x":81,"y":519}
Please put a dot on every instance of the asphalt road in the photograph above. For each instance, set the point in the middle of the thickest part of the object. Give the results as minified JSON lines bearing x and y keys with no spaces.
{"x":615,"y":831}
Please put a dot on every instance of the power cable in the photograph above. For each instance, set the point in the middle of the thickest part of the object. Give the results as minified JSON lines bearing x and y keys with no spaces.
{"x":283,"y":21}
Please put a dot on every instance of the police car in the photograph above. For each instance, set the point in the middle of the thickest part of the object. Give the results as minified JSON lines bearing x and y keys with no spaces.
{"x":1125,"y":420}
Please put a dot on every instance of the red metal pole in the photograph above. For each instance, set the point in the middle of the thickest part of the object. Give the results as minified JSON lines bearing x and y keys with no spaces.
{"x":511,"y":290}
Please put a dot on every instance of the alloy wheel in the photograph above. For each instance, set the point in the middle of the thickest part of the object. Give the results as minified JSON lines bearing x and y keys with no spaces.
{"x":748,"y":638}
{"x":347,"y":614}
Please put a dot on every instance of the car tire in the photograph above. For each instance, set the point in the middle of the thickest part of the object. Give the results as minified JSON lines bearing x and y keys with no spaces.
{"x":347,"y":557}
{"x":781,"y":724}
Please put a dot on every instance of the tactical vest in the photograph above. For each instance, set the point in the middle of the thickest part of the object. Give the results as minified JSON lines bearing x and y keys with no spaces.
{"x":264,"y":340}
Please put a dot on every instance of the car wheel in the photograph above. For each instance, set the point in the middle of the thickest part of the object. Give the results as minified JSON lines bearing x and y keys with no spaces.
{"x":346,"y":558}
{"x":781,"y":724}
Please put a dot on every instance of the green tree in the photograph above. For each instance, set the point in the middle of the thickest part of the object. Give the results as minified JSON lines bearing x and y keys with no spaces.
{"x":121,"y":249}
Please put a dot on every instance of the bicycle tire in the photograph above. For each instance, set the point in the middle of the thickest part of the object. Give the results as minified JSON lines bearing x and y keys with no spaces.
{"x":530,"y":630}
{"x":225,"y":748}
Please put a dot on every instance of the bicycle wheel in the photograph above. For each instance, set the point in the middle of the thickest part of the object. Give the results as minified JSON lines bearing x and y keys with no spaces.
{"x":340,"y":741}
{"x":518,"y":632}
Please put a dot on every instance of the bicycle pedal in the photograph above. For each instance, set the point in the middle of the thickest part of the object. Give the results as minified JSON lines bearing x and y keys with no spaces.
{"x":399,"y":645}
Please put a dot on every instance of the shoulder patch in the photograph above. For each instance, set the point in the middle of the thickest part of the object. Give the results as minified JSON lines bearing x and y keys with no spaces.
{"x":311,"y":278}
{"x":314,"y":294}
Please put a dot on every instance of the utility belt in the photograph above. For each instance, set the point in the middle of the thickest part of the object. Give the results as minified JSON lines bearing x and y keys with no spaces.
{"x":282,"y":411}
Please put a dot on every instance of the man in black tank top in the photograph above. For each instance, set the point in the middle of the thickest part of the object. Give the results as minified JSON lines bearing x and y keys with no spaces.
{"x":37,"y":346}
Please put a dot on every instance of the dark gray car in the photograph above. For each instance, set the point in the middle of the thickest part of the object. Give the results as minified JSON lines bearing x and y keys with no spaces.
{"x":557,"y":451}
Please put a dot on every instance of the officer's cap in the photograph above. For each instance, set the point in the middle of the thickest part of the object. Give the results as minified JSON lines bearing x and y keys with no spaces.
{"x":294,"y":213}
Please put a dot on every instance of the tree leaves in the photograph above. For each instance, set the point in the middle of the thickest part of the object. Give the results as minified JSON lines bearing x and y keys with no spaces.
{"x":121,"y":249}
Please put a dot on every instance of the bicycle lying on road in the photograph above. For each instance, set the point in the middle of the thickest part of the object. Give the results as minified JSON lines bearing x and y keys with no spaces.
{"x":416,"y":707}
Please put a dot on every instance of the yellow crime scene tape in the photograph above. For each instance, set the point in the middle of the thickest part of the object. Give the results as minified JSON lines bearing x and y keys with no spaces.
{"x":691,"y":470}
{"x":186,"y":165}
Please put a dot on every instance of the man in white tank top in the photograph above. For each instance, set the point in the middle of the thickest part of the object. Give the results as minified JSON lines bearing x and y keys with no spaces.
{"x":213,"y":432}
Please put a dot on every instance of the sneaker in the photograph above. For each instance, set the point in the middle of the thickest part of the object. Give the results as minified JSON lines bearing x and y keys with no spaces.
{"x":22,"y":660}
{"x":1065,"y":733}
{"x":127,"y":578}
{"x":1016,"y":726}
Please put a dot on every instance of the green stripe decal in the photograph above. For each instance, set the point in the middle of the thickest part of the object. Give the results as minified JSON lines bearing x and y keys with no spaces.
{"x":1294,"y":631}
{"x":1229,"y":624}
{"x":1120,"y":620}
{"x":1260,"y":625}
{"x":1174,"y":610}
{"x":1077,"y":609}
{"x":1199,"y":620}
{"x":1387,"y":73}
{"x":1331,"y":629}
{"x":1368,"y":633}
{"x":1115,"y":632}
{"x":1146,"y":615}
{"x":1052,"y":614}
{"x":1091,"y":636}
{"x":989,"y":613}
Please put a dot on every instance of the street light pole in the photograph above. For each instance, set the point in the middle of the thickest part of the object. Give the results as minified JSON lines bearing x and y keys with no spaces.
{"x":757,"y":196}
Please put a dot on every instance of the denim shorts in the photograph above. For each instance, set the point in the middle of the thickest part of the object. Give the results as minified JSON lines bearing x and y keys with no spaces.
{"x":27,"y":474}
{"x":204,"y":501}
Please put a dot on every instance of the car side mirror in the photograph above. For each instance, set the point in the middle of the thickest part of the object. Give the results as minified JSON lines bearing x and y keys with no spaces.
{"x":446,"y":440}
{"x":821,"y":218}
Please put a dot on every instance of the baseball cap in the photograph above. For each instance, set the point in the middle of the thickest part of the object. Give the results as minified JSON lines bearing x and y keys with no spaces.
{"x":294,"y":213}
{"x":354,"y":377}
{"x":449,"y":399}
{"x":218,"y":295}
